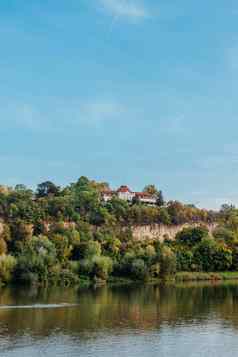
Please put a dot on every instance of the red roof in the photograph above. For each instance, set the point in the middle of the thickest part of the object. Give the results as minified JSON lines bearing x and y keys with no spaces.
{"x":108,"y":192}
{"x":143,"y":195}
{"x":124,"y":189}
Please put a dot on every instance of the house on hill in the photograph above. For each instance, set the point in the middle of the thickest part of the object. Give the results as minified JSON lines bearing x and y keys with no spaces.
{"x":124,"y":193}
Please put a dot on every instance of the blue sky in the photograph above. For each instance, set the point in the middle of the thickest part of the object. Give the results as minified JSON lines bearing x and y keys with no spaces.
{"x":126,"y":91}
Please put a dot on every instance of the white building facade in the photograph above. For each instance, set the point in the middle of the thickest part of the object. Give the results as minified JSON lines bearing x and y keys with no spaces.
{"x":125,"y":194}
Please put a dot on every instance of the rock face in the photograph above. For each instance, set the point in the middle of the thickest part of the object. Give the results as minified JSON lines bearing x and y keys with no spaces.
{"x":161,"y":231}
{"x":1,"y":228}
{"x":155,"y":232}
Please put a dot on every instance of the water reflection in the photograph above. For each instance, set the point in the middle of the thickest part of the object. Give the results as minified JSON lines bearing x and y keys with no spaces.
{"x":36,"y":320}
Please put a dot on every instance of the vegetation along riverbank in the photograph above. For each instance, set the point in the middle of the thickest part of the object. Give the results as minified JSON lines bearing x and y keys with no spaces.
{"x":84,"y":232}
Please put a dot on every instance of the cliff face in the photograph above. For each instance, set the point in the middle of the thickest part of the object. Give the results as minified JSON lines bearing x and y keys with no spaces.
{"x":161,"y":231}
{"x":155,"y":232}
{"x":1,"y":228}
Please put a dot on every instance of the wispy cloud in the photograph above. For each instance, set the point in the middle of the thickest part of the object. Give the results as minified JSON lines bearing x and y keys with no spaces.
{"x":130,"y":9}
{"x":63,"y":115}
{"x":98,"y":111}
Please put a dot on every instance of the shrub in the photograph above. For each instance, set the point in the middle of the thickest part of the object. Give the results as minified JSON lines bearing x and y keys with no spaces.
{"x":93,"y":248}
{"x":7,"y":267}
{"x":138,"y":269}
{"x":222,"y":258}
{"x":155,"y":270}
{"x":37,"y":257}
{"x":67,"y":277}
{"x":168,"y":261}
{"x":3,"y":246}
{"x":102,"y":267}
{"x":184,"y":260}
{"x":204,"y":255}
{"x":191,"y":236}
{"x":86,"y":267}
{"x":222,"y":234}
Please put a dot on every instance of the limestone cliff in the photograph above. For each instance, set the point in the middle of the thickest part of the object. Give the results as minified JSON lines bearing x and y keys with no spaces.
{"x":160,"y":231}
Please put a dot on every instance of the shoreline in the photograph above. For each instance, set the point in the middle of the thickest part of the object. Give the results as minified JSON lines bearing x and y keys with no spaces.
{"x":178,"y":278}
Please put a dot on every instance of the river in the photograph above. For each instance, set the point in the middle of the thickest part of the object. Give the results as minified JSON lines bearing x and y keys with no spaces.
{"x":186,"y":320}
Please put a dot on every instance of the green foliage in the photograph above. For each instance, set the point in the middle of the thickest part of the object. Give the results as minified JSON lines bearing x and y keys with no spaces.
{"x":163,"y":216}
{"x":184,"y":260}
{"x":65,"y":235}
{"x":93,"y":249}
{"x":46,"y":189}
{"x":102,"y":267}
{"x":138,"y":269}
{"x":204,"y":255}
{"x":212,"y":256}
{"x":7,"y":267}
{"x":167,"y":262}
{"x":226,"y":235}
{"x":35,"y":260}
{"x":62,"y":246}
{"x":3,"y":246}
{"x":6,"y":233}
{"x":223,"y":258}
{"x":191,"y":236}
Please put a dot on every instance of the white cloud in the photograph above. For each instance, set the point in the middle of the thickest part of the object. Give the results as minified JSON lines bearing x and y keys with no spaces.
{"x":130,"y":9}
{"x":99,"y":111}
{"x":62,"y":115}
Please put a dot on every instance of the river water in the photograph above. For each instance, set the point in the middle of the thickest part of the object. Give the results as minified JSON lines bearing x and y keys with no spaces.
{"x":184,"y":321}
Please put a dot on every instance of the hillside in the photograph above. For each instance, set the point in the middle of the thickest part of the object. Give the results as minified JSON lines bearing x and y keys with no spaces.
{"x":72,"y":233}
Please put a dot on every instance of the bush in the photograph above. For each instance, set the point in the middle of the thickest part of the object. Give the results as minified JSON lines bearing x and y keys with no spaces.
{"x":155,"y":270}
{"x":222,"y":258}
{"x":191,"y":236}
{"x":168,"y":262}
{"x":102,"y":267}
{"x":37,"y":258}
{"x":3,"y":246}
{"x":7,"y":267}
{"x":222,"y":234}
{"x":138,"y":269}
{"x":93,"y":248}
{"x":184,"y":260}
{"x":67,"y":277}
{"x":86,"y":267}
{"x":204,"y":255}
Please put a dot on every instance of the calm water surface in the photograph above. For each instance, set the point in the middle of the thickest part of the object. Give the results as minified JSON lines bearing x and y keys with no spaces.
{"x":183,"y":321}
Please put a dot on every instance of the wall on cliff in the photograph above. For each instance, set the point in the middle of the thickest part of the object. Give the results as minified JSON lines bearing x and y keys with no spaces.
{"x":160,"y":231}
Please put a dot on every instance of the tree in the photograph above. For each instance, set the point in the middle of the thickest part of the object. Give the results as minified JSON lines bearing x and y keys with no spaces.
{"x":7,"y":267}
{"x":184,"y":260}
{"x":46,"y":189}
{"x":138,"y":269}
{"x":3,"y":246}
{"x":204,"y":254}
{"x":225,"y":235}
{"x":163,"y":216}
{"x":151,"y":190}
{"x":160,"y":199}
{"x":38,"y":256}
{"x":167,"y":262}
{"x":102,"y":267}
{"x":191,"y":236}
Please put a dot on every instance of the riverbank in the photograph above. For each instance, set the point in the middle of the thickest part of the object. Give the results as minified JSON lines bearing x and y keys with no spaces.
{"x":177,"y":278}
{"x":180,"y":277}
{"x":202,"y":276}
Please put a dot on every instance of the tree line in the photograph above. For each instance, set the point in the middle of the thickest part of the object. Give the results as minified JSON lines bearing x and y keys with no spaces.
{"x":71,"y":235}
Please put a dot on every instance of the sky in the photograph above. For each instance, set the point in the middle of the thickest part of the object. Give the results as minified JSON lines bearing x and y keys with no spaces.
{"x":125,"y":91}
